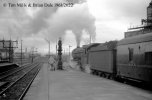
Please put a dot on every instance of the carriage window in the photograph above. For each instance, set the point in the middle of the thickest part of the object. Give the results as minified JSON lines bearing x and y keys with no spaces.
{"x":131,"y":52}
{"x":85,"y":51}
{"x":148,"y":58}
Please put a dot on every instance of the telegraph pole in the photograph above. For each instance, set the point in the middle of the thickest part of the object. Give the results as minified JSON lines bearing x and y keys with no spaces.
{"x":33,"y":54}
{"x":21,"y":52}
{"x":56,"y":49}
{"x":49,"y":42}
{"x":10,"y":51}
{"x":90,"y":39}
{"x":69,"y":50}
{"x":49,"y":47}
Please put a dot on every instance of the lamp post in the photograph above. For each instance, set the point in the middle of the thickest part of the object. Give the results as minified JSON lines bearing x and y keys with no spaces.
{"x":49,"y":42}
{"x":69,"y":50}
{"x":33,"y":53}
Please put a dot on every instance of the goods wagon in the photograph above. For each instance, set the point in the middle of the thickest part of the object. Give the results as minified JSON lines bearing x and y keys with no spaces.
{"x":134,"y":58}
{"x":102,"y":59}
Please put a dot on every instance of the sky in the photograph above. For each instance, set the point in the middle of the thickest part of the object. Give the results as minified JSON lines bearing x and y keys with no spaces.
{"x":103,"y":20}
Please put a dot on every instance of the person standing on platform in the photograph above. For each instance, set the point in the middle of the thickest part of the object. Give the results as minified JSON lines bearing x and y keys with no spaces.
{"x":52,"y":63}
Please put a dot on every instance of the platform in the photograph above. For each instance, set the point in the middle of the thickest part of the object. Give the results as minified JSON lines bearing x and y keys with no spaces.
{"x":5,"y":64}
{"x":2,"y":83}
{"x":76,"y":85}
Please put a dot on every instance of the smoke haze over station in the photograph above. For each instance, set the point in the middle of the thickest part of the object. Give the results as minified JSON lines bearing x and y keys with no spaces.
{"x":103,"y":20}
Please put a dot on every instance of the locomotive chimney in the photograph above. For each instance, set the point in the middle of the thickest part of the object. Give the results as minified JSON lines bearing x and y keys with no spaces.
{"x":78,"y":46}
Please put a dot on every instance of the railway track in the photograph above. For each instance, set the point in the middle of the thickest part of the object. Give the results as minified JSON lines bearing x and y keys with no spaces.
{"x":4,"y":75}
{"x":17,"y":83}
{"x":11,"y":71}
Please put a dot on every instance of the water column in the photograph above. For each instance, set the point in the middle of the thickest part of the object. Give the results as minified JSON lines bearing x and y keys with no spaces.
{"x":60,"y":55}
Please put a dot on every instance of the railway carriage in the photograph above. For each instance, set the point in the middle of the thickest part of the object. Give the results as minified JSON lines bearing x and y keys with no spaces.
{"x":134,"y":58}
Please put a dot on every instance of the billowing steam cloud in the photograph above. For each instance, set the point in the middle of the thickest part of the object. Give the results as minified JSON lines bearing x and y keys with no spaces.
{"x":52,"y":22}
{"x":75,"y":19}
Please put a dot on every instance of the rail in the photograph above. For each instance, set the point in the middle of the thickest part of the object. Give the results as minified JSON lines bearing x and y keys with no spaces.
{"x":5,"y":94}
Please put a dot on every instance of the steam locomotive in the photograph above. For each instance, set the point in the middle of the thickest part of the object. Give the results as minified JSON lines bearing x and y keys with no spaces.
{"x":129,"y":58}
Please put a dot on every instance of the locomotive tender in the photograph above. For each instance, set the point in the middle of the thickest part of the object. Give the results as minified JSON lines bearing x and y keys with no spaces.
{"x":102,"y":59}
